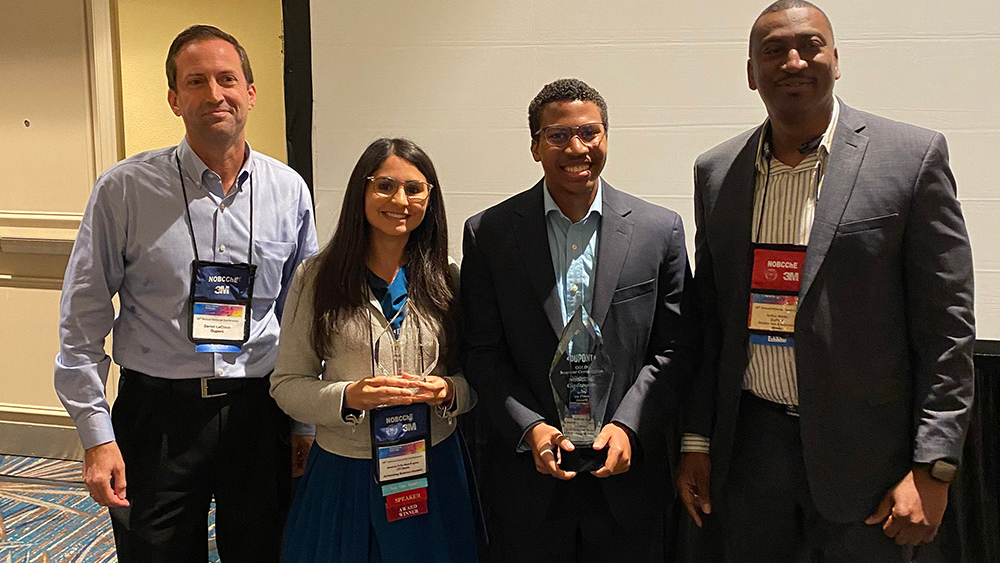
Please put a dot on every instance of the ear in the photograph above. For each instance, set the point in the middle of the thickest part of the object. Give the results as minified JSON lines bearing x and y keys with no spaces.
{"x":172,"y":100}
{"x":252,"y":91}
{"x":535,"y":153}
{"x":836,"y":64}
{"x":750,"y":80}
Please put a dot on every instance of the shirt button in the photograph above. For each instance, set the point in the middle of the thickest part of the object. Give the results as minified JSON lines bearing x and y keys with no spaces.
{"x":222,"y":248}
{"x":573,"y":247}
{"x":573,"y":288}
{"x":222,"y":206}
{"x":220,"y":372}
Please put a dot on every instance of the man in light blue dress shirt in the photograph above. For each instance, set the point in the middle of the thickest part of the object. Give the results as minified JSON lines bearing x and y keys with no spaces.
{"x":188,"y":426}
{"x":529,"y":264}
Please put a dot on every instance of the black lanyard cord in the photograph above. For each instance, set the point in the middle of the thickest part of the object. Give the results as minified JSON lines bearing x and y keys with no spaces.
{"x":763,"y":203}
{"x":187,"y":210}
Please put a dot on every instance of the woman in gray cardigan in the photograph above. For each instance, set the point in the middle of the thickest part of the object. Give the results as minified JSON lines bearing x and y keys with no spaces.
{"x":382,"y":286}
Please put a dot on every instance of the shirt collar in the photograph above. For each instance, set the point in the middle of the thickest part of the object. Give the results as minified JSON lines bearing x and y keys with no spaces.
{"x":550,"y":204}
{"x":196,"y":170}
{"x":824,"y":146}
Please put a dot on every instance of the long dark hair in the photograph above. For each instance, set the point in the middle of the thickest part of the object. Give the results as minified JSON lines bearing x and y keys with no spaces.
{"x":342,"y":265}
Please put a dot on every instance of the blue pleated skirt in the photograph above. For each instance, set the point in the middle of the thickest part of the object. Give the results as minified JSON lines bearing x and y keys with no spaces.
{"x":338,"y":515}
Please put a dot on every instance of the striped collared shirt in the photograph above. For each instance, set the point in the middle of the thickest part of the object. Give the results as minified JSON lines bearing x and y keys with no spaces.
{"x":783,"y":210}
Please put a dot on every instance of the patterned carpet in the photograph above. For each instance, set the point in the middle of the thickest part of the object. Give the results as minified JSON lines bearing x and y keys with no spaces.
{"x":46,"y":515}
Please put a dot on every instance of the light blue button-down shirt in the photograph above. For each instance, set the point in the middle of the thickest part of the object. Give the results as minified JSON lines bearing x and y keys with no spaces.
{"x":574,"y":253}
{"x":134,"y":241}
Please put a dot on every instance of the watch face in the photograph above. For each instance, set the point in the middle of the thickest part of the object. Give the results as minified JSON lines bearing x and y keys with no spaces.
{"x":943,"y":471}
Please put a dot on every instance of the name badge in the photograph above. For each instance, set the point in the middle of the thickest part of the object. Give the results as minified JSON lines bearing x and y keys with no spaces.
{"x":221,"y":294}
{"x":774,"y":288}
{"x":216,"y":321}
{"x":401,"y":439}
{"x":773,"y":313}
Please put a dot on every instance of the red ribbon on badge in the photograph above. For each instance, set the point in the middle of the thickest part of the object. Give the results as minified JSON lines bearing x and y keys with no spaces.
{"x":777,"y":270}
{"x":406,"y":510}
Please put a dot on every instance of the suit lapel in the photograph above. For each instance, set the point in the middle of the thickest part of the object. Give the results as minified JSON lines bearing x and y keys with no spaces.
{"x":843,"y":164}
{"x":533,"y":241}
{"x":613,"y":240}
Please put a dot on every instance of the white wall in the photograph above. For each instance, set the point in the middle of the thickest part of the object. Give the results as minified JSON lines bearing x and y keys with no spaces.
{"x":457,"y":75}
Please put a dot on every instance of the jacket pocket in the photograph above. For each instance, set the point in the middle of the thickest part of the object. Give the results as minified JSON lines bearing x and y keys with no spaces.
{"x":633,"y":291}
{"x":866,"y":224}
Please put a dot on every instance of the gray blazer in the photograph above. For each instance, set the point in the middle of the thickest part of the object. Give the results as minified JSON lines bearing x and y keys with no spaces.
{"x":884,"y":331}
{"x":512,"y":323}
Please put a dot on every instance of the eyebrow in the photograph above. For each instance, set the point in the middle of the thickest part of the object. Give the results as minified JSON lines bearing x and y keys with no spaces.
{"x":809,"y":34}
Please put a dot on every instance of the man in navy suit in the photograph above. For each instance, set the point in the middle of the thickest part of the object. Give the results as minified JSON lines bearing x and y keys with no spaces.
{"x":835,"y":274}
{"x":529,"y":264}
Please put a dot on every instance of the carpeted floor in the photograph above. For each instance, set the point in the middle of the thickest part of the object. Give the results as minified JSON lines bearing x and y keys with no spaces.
{"x":46,"y":515}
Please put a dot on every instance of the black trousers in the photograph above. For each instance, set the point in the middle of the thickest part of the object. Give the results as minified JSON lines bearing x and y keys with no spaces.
{"x":579,"y":528}
{"x":768,"y":512}
{"x":180,"y":451}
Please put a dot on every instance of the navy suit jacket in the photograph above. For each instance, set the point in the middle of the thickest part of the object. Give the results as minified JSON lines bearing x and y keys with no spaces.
{"x":884,"y":330}
{"x":512,"y":324}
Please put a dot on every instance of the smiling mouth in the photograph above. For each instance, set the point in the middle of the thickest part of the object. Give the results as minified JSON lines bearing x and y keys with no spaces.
{"x":577,"y":168}
{"x":397,"y":216}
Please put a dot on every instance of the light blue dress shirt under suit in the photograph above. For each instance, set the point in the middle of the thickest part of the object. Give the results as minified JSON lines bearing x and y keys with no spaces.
{"x":134,"y":241}
{"x":574,"y":253}
{"x":573,"y":247}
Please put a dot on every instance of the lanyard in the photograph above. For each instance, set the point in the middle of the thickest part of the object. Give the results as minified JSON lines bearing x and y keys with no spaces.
{"x":187,"y":209}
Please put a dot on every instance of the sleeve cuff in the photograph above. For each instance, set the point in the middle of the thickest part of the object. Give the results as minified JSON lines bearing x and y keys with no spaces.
{"x":447,"y":410}
{"x":349,"y":415}
{"x":302,"y":429}
{"x":96,"y":430}
{"x":522,"y":445}
{"x":694,"y":443}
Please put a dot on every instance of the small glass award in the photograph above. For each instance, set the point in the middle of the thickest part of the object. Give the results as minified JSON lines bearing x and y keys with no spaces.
{"x":580,"y":377}
{"x":414,"y":350}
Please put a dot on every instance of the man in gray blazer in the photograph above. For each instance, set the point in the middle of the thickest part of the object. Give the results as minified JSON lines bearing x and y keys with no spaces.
{"x":529,"y":263}
{"x":835,"y":274}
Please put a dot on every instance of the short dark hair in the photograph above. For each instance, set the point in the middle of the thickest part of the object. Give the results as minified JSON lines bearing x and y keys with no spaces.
{"x":781,"y":6}
{"x":341,"y":281}
{"x":563,"y":90}
{"x":201,"y":33}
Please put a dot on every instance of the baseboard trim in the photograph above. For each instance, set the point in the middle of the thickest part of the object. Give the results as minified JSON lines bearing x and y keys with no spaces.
{"x":34,"y":439}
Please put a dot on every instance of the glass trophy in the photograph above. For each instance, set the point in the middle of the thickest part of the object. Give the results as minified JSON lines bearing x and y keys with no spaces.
{"x":581,"y":377}
{"x":413,"y":351}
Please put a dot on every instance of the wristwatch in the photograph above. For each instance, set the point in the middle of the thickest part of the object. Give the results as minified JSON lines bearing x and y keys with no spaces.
{"x":942,"y":470}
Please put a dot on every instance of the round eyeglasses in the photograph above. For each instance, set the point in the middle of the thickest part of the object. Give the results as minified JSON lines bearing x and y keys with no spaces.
{"x":560,"y":135}
{"x":415,"y":190}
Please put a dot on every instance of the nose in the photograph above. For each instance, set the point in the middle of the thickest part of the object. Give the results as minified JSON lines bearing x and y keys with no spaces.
{"x":794,"y":62}
{"x":576,"y":145}
{"x":399,"y":198}
{"x":214,"y":91}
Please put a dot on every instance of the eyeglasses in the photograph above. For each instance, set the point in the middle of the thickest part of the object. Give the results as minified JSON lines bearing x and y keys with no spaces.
{"x":385,"y":186}
{"x":560,"y":135}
